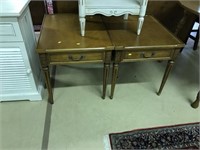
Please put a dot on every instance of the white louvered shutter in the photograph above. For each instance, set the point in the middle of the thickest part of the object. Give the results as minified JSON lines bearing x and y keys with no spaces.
{"x":15,"y":73}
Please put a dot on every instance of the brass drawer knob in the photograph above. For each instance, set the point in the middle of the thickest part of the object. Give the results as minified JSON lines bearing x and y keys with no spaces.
{"x":145,"y":55}
{"x":76,"y":58}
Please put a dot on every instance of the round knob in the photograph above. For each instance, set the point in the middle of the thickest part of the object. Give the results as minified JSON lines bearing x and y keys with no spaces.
{"x":28,"y":71}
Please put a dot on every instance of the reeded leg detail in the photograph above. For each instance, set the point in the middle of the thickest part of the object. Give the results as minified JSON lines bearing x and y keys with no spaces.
{"x":140,"y":24}
{"x":48,"y":84}
{"x":195,"y":104}
{"x":105,"y":78}
{"x":82,"y":26}
{"x":167,"y":71}
{"x":126,"y":17}
{"x":114,"y":78}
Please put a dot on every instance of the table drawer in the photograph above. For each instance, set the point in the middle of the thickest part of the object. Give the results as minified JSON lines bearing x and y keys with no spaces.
{"x":147,"y":54}
{"x":10,"y":31}
{"x":76,"y":57}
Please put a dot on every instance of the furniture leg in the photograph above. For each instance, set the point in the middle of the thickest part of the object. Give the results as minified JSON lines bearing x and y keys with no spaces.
{"x":82,"y":25}
{"x":126,"y":17}
{"x":105,"y":78}
{"x":195,"y":104}
{"x":53,"y":74}
{"x":167,"y":71}
{"x":114,"y":78}
{"x":140,"y":23}
{"x":48,"y":84}
{"x":196,"y":40}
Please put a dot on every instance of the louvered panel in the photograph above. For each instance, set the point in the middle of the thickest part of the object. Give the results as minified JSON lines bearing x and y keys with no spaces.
{"x":12,"y":65}
{"x":3,"y":61}
{"x":10,"y":88}
{"x":3,"y":66}
{"x":13,"y":71}
{"x":8,"y":84}
{"x":14,"y":83}
{"x":13,"y":76}
{"x":19,"y":87}
{"x":5,"y":55}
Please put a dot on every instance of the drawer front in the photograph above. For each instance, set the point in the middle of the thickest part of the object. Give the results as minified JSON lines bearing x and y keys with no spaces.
{"x":10,"y":31}
{"x":148,"y":54}
{"x":76,"y":57}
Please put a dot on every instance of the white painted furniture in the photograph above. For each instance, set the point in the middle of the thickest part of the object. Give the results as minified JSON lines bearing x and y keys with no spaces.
{"x":112,"y":8}
{"x":20,"y":77}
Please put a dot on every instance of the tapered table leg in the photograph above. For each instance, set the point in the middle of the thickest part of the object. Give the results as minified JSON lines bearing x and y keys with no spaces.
{"x":114,"y":78}
{"x":167,"y":71}
{"x":105,"y":78}
{"x":196,"y":41}
{"x":195,"y":104}
{"x":48,"y":84}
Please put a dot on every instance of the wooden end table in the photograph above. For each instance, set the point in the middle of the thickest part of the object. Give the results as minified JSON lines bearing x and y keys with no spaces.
{"x":60,"y":43}
{"x":154,"y":43}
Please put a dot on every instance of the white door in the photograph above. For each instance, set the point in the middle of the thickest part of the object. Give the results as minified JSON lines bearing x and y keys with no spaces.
{"x":16,"y":79}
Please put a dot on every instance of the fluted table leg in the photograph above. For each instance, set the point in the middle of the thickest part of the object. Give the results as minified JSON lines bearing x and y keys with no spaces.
{"x":48,"y":84}
{"x":167,"y":71}
{"x":114,"y":78}
{"x":105,"y":78}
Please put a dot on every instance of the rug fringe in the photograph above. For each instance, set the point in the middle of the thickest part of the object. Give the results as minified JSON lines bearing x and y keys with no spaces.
{"x":106,"y":142}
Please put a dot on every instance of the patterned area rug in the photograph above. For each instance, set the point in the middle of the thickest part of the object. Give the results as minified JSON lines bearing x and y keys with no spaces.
{"x":185,"y":136}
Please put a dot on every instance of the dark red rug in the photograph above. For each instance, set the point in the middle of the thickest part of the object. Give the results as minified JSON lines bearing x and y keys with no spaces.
{"x":182,"y":136}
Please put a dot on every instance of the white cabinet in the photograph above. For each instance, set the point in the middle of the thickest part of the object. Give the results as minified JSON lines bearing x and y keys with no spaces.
{"x":20,"y":74}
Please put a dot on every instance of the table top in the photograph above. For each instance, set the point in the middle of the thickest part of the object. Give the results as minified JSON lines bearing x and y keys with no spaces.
{"x":61,"y":32}
{"x":191,"y":5}
{"x":153,"y":34}
{"x":12,"y":8}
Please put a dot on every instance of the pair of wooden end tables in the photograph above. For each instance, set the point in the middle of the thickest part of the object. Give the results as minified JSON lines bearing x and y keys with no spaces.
{"x":110,"y":40}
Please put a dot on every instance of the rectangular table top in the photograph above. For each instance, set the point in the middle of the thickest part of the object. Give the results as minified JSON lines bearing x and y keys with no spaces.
{"x":153,"y":34}
{"x":61,"y":32}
